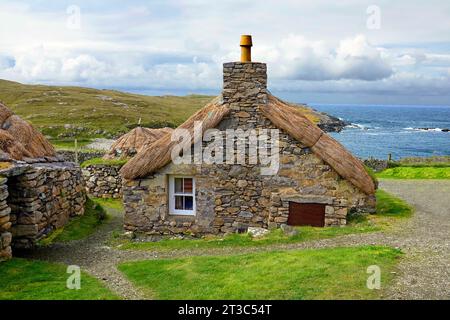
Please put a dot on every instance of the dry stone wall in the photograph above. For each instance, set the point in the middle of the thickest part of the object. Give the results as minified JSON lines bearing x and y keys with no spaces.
{"x":42,"y":198}
{"x":69,"y":155}
{"x":5,"y":223}
{"x":103,"y":181}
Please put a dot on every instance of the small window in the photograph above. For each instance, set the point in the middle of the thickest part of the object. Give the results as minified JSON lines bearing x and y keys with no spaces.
{"x":181,"y":195}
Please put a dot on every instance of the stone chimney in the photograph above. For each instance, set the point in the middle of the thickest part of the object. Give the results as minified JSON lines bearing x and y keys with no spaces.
{"x":245,"y":82}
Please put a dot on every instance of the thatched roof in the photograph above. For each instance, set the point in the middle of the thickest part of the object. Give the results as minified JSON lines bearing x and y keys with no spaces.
{"x":18,"y":138}
{"x":284,"y":116}
{"x":158,"y":154}
{"x":288,"y":118}
{"x":134,"y":141}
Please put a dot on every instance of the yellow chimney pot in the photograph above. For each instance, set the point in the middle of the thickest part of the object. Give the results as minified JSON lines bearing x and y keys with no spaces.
{"x":246,"y":48}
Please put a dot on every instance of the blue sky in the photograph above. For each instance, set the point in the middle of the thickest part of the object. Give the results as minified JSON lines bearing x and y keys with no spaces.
{"x":352,"y":51}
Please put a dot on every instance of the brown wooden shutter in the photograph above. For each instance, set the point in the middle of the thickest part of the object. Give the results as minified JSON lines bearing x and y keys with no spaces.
{"x":306,"y":214}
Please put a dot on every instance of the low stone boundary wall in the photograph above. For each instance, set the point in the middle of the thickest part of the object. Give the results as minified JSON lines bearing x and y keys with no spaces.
{"x":103,"y":181}
{"x":43,"y":198}
{"x":5,"y":224}
{"x":69,"y":155}
{"x":376,"y":164}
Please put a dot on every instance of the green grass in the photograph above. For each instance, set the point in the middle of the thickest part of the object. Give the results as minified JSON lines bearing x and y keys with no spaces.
{"x":79,"y":227}
{"x":108,"y":203}
{"x":101,"y":161}
{"x":69,"y":144}
{"x":389,"y":210}
{"x":338,"y":273}
{"x":390,"y":206}
{"x":372,"y":175}
{"x":81,"y":112}
{"x":419,"y":171}
{"x":35,"y":280}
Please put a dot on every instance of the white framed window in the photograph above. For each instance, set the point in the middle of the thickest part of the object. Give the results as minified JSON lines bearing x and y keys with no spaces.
{"x":182,"y":195}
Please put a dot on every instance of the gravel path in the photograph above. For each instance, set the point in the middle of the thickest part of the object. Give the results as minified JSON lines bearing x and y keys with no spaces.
{"x":423,"y":273}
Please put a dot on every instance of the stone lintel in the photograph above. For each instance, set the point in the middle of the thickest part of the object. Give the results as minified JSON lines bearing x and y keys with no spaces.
{"x":308,"y":199}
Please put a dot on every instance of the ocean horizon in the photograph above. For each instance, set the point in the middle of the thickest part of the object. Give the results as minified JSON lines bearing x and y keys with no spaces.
{"x":379,"y":130}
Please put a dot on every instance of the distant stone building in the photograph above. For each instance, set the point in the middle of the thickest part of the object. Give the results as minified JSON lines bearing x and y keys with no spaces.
{"x":38,"y":191}
{"x":317,"y":182}
{"x":103,"y":180}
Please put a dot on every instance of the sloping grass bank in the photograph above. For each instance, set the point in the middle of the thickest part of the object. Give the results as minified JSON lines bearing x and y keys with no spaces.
{"x":338,"y":273}
{"x":79,"y":227}
{"x":418,"y":171}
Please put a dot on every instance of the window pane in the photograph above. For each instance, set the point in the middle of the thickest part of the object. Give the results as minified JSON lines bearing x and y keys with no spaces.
{"x":188,"y":185}
{"x":179,"y":203}
{"x":188,"y":203}
{"x":178,"y":185}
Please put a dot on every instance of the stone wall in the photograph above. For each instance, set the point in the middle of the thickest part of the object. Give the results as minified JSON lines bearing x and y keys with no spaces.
{"x":233,"y":197}
{"x":103,"y":181}
{"x":69,"y":155}
{"x":376,"y":164}
{"x":5,"y":224}
{"x":42,"y":198}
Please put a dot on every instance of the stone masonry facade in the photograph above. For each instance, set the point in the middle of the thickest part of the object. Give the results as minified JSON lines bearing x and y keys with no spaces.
{"x":40,"y":198}
{"x":232,"y":197}
{"x":103,"y":181}
{"x":5,"y":223}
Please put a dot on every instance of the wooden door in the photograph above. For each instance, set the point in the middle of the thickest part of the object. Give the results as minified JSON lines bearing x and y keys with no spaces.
{"x":306,"y":214}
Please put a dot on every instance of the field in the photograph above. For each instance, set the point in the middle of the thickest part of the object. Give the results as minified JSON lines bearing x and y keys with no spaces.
{"x":69,"y":112}
{"x":338,"y":273}
{"x":66,"y":113}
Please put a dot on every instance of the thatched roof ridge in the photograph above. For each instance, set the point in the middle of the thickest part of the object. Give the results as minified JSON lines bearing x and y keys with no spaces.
{"x":290,"y":119}
{"x":158,"y":154}
{"x":19,"y":139}
{"x":134,"y":141}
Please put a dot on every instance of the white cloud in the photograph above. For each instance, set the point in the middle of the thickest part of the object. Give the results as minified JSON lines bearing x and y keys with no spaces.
{"x":299,"y":59}
{"x":315,"y":46}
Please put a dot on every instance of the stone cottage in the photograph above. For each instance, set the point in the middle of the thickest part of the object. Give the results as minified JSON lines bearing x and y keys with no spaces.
{"x":317,"y":181}
{"x":130,"y":143}
{"x":39,"y":192}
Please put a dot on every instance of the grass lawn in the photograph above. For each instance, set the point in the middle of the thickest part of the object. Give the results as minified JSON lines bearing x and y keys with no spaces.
{"x":69,"y":144}
{"x":338,"y":273}
{"x":79,"y":227}
{"x":417,"y":172}
{"x":389,"y":210}
{"x":109,"y":162}
{"x":36,"y":280}
{"x":109,"y":203}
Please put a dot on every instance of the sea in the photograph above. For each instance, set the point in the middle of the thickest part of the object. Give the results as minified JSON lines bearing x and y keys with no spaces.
{"x":379,"y":130}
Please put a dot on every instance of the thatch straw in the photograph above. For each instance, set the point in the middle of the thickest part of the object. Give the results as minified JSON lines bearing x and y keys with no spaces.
{"x":5,"y":113}
{"x":13,"y":149}
{"x":286,"y":117}
{"x":158,"y":154}
{"x":135,"y":141}
{"x":24,"y":135}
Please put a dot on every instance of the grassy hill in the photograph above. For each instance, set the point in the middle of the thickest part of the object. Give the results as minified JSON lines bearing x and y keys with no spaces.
{"x":66,"y":113}
{"x":69,"y":112}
